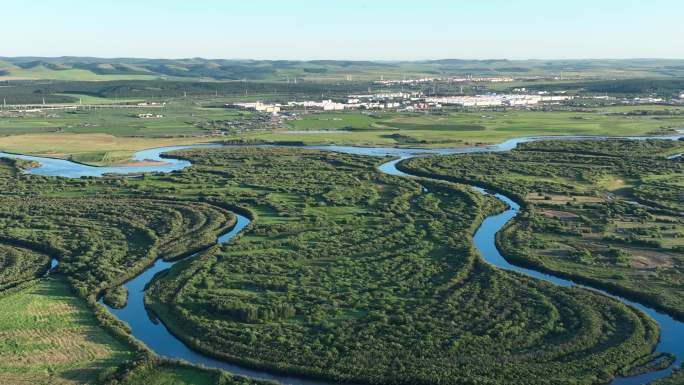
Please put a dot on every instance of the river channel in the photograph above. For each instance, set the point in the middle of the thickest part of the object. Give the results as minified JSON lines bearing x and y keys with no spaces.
{"x":146,"y":327}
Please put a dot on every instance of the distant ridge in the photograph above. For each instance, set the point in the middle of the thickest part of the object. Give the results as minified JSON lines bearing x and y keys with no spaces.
{"x":92,"y":68}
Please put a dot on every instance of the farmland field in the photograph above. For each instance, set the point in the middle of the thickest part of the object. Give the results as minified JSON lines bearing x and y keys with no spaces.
{"x":97,"y":149}
{"x":111,"y":136}
{"x":49,"y":336}
{"x":468,"y":128}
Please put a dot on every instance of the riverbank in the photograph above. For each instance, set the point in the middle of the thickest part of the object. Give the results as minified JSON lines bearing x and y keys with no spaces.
{"x":219,"y":162}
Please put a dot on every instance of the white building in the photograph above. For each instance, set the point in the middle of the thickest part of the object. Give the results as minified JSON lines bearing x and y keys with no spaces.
{"x":325,"y":105}
{"x":496,"y":100}
{"x":333,"y":106}
{"x":150,"y":116}
{"x":556,"y":98}
{"x":259,"y":107}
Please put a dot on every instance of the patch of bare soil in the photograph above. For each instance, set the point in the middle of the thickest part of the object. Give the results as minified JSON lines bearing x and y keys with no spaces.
{"x":649,"y":259}
{"x":564,"y":215}
{"x":557,"y":199}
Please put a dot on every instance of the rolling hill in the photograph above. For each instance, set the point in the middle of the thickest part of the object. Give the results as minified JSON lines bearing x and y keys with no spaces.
{"x":94,"y":69}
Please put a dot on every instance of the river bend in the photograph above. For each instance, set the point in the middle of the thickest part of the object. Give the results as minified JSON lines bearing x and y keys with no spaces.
{"x":146,"y":327}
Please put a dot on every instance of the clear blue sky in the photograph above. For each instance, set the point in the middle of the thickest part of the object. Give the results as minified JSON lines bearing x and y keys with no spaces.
{"x":344,"y":29}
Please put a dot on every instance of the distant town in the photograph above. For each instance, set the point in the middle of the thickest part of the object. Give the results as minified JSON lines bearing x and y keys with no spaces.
{"x":417,"y":101}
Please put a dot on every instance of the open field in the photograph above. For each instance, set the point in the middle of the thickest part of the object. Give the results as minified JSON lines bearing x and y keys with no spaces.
{"x":111,"y":136}
{"x":467,"y":128}
{"x":180,"y":118}
{"x":98,"y":149}
{"x":49,"y":336}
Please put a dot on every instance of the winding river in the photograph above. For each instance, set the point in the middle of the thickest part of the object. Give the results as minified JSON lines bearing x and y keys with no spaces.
{"x":146,"y":328}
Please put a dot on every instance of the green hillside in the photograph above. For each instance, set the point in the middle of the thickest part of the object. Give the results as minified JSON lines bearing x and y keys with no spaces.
{"x":85,"y":68}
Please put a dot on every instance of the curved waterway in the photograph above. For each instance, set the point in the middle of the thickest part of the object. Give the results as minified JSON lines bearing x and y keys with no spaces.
{"x":146,"y":327}
{"x":69,"y":169}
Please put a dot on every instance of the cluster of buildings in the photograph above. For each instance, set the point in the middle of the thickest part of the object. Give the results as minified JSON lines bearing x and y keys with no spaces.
{"x":406,"y":101}
{"x":647,"y":100}
{"x":258,"y":107}
{"x":482,"y":79}
{"x":325,"y":105}
{"x":495,"y":100}
{"x":150,"y":116}
{"x":151,"y":104}
{"x":405,"y":81}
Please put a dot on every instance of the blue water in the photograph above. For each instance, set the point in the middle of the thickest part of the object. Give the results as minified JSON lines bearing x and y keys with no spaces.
{"x":156,"y":336}
{"x":145,"y":327}
{"x":68,"y":169}
{"x":671,"y":330}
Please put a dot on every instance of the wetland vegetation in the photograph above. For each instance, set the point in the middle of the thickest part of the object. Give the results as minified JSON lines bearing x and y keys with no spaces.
{"x":357,"y":272}
{"x":606,"y":212}
{"x":353,"y":275}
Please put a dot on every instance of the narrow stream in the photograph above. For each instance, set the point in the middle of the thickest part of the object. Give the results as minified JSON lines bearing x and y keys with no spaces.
{"x":147,"y":328}
{"x":156,"y":336}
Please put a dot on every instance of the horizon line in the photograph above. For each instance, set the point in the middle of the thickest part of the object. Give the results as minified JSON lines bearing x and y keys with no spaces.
{"x":341,"y":59}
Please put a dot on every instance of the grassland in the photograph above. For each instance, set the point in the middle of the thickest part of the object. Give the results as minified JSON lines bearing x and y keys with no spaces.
{"x":451,"y":129}
{"x":97,"y":149}
{"x":48,"y":336}
{"x":179,"y":119}
{"x":43,"y":71}
{"x":111,"y":136}
{"x":107,"y":136}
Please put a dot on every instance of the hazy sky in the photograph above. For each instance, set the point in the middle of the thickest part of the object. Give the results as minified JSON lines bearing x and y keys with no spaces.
{"x":344,"y":29}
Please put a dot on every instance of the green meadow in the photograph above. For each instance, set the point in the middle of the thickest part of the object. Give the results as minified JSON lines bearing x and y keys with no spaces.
{"x":79,"y":134}
{"x":464,"y":128}
{"x":49,"y":336}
